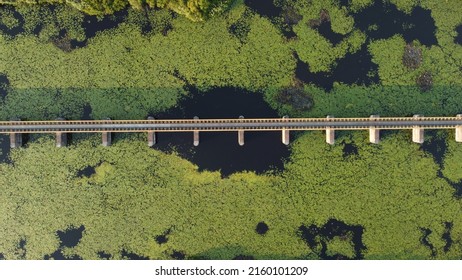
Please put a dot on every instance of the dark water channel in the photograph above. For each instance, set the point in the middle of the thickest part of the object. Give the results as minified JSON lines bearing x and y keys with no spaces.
{"x":383,"y":20}
{"x":378,"y":21}
{"x":86,"y":172}
{"x":132,"y":256}
{"x":4,"y":139}
{"x":325,"y":29}
{"x":90,"y":24}
{"x":354,"y":68}
{"x":264,"y":7}
{"x":86,"y":114}
{"x":262,"y":151}
{"x":71,"y":237}
{"x":18,"y":29}
{"x":458,"y":39}
{"x":261,"y":228}
{"x":446,"y":236}
{"x":349,"y":149}
{"x":425,"y":241}
{"x":68,"y":239}
{"x":5,"y":148}
{"x":436,"y":145}
{"x":4,"y":85}
{"x":317,"y":238}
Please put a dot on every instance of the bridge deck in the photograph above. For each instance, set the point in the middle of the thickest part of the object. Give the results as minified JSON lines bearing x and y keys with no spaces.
{"x":179,"y":125}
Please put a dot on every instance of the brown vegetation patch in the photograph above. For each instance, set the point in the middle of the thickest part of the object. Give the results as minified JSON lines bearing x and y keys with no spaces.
{"x":425,"y":81}
{"x":412,"y":57}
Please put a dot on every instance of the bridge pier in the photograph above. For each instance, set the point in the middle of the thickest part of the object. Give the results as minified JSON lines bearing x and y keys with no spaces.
{"x":285,"y":134}
{"x":151,"y":135}
{"x":15,"y":140}
{"x":417,"y":132}
{"x":240,"y":134}
{"x":374,"y":133}
{"x":107,"y":137}
{"x":459,"y":130}
{"x":61,"y":138}
{"x":330,"y":133}
{"x":196,"y":135}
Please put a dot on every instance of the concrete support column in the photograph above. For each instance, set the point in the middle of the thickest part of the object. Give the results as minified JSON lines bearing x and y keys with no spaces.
{"x":151,"y":135}
{"x":330,"y":133}
{"x":240,"y":134}
{"x":459,"y":130}
{"x":374,"y":133}
{"x":417,"y":132}
{"x":61,"y":138}
{"x":285,"y":134}
{"x":15,"y":138}
{"x":107,"y":137}
{"x":196,"y":135}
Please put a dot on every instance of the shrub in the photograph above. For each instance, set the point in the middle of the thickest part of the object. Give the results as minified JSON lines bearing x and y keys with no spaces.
{"x":241,"y":27}
{"x":412,"y":57}
{"x":425,"y":81}
{"x":323,"y":17}
{"x":291,"y":16}
{"x":296,"y":97}
{"x":62,"y":43}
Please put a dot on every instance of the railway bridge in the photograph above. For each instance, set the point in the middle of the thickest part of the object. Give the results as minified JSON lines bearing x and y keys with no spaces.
{"x":61,"y":128}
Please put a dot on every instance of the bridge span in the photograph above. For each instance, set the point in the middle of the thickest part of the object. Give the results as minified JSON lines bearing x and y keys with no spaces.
{"x":374,"y":124}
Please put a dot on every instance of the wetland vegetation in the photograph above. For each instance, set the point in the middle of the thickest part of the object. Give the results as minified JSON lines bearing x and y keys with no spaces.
{"x":347,"y":58}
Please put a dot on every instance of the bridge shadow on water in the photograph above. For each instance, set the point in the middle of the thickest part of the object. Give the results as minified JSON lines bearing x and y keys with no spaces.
{"x":262,"y":151}
{"x":5,"y":149}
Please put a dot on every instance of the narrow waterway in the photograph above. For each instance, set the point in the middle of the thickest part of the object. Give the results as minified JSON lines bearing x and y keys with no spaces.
{"x":262,"y":151}
{"x":5,"y":149}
